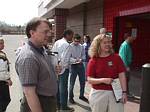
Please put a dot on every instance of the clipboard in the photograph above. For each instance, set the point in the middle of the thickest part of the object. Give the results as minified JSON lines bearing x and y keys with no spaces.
{"x":117,"y":89}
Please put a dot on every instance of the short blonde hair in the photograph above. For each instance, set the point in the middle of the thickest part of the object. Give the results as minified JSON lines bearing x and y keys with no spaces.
{"x":95,"y":50}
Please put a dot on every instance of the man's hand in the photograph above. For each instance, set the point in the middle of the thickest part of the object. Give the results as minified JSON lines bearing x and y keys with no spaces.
{"x":79,"y":61}
{"x":58,"y":68}
{"x":9,"y":82}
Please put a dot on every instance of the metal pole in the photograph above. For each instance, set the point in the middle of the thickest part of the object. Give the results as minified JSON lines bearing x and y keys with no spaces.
{"x":145,"y":94}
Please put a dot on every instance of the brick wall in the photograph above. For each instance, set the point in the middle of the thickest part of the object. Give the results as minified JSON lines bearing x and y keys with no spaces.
{"x":113,"y":8}
{"x":86,"y":18}
{"x":60,"y":22}
{"x":94,"y":17}
{"x":75,"y":19}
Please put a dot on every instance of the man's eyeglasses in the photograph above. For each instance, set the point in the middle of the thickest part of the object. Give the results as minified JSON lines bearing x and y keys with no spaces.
{"x":45,"y":32}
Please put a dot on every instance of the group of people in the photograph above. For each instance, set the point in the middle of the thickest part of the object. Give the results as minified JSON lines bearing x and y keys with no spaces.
{"x":44,"y":79}
{"x":71,"y":55}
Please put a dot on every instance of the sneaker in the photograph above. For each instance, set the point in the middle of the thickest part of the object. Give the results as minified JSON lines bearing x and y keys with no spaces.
{"x":71,"y":100}
{"x":84,"y":99}
{"x":68,"y":109}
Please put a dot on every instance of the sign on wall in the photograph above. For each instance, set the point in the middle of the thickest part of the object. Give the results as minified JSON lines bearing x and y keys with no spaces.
{"x":134,"y":32}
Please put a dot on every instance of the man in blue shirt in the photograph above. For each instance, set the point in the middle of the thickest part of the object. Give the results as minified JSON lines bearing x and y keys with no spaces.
{"x":76,"y":55}
{"x":125,"y":53}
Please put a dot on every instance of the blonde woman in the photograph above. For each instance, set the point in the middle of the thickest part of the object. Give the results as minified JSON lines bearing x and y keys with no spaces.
{"x":103,"y":67}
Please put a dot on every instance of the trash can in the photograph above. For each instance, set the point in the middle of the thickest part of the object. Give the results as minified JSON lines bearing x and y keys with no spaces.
{"x":145,"y":93}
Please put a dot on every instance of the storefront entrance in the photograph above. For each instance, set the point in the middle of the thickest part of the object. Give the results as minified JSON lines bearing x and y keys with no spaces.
{"x":137,"y":25}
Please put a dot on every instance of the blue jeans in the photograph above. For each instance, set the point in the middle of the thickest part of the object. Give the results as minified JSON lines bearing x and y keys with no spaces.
{"x":58,"y":96}
{"x":63,"y":88}
{"x":77,"y":69}
{"x":85,"y":67}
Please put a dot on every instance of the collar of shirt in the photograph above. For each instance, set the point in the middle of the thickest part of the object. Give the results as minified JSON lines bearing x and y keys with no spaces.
{"x":73,"y":44}
{"x":63,"y":45}
{"x":39,"y":50}
{"x":65,"y":40}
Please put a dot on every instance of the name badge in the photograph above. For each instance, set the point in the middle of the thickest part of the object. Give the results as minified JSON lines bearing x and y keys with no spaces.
{"x":110,"y":63}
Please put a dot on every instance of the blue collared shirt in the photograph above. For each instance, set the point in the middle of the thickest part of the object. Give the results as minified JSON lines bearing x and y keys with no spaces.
{"x":76,"y":52}
{"x":39,"y":50}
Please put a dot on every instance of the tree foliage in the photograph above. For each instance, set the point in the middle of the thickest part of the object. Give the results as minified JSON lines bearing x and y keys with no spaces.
{"x":11,"y":29}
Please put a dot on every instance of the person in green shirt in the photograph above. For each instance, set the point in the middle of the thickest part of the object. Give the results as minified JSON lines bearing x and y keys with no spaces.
{"x":125,"y":53}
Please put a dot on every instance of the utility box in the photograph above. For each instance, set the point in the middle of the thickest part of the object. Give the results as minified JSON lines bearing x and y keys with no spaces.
{"x":145,"y":94}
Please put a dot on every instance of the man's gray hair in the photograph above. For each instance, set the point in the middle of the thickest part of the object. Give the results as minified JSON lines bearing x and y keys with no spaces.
{"x":102,"y":30}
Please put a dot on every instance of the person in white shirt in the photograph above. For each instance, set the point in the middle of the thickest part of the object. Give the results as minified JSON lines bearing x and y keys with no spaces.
{"x":61,"y":47}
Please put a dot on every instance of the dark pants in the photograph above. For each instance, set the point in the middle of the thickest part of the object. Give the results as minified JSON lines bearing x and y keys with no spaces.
{"x":48,"y":104}
{"x":85,"y":67}
{"x":58,"y":96}
{"x":77,"y":69}
{"x":63,"y":88}
{"x":4,"y":96}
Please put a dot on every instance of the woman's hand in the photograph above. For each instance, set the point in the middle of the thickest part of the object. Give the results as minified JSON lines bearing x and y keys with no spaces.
{"x":124,"y":98}
{"x":99,"y":80}
{"x":107,"y":80}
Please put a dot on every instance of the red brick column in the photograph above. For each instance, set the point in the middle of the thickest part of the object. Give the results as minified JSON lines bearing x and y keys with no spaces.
{"x":60,"y":17}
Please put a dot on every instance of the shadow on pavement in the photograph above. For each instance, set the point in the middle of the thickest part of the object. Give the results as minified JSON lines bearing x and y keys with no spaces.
{"x":134,"y":99}
{"x":85,"y":107}
{"x":135,"y":82}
